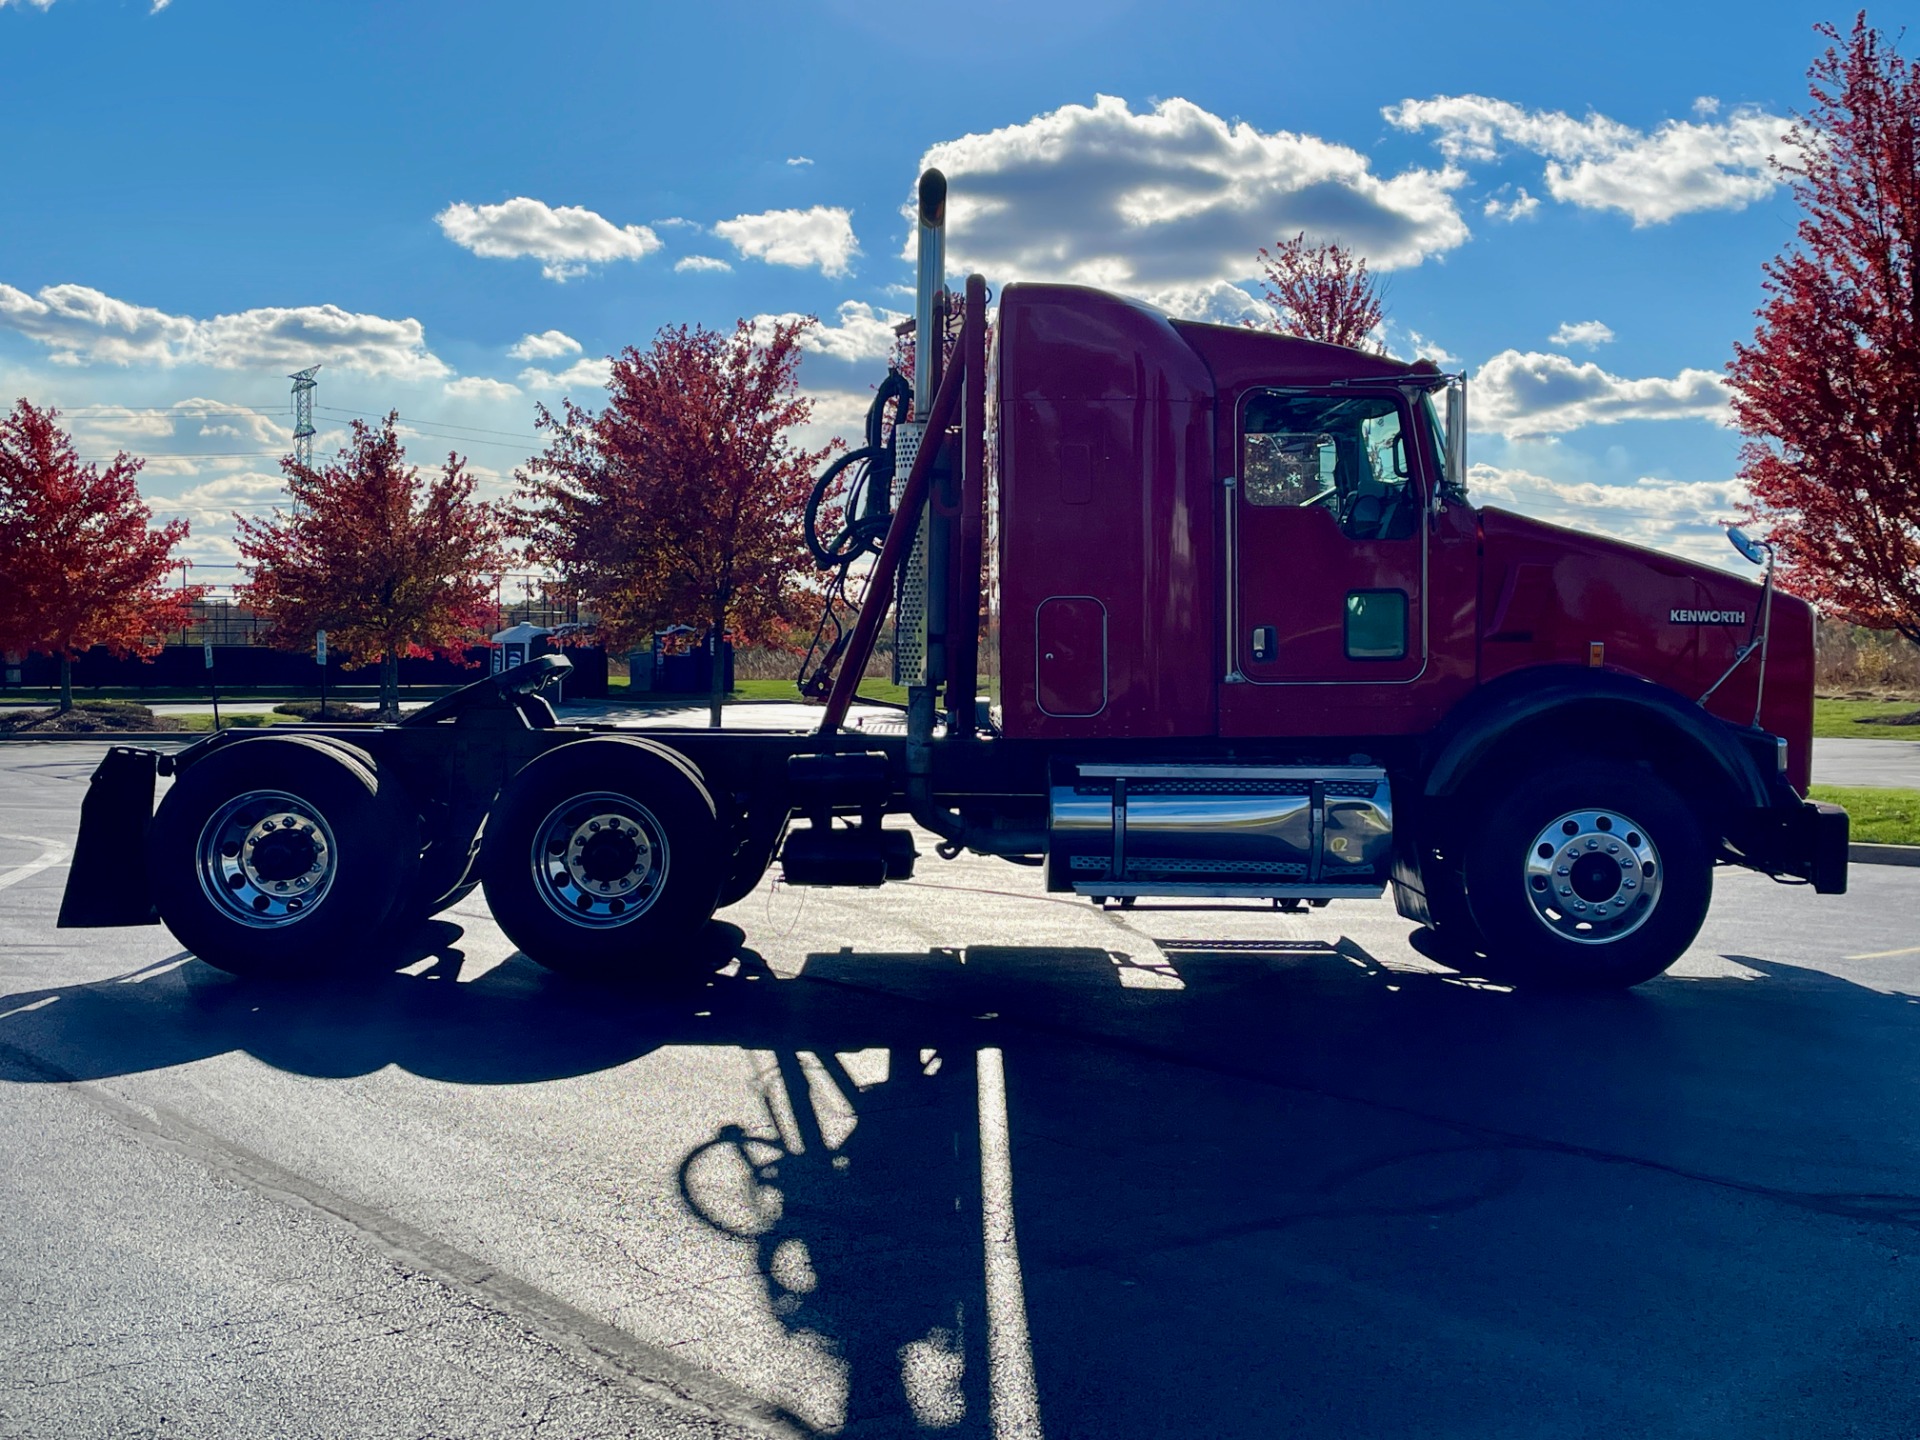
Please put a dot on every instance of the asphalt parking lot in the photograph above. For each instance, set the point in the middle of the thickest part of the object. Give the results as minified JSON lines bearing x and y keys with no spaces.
{"x":957,"y":1157}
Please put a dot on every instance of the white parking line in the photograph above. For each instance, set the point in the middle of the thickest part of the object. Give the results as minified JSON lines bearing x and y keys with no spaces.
{"x":52,"y":853}
{"x":1887,"y":954}
{"x":1012,"y":1393}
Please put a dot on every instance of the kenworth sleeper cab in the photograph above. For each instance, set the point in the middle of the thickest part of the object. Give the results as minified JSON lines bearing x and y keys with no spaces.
{"x":1182,"y":610}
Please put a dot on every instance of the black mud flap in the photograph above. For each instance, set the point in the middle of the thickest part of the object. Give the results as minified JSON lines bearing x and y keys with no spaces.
{"x":107,"y":882}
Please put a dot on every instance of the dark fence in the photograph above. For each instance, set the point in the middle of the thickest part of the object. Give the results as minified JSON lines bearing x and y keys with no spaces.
{"x":686,"y":674}
{"x":246,"y":667}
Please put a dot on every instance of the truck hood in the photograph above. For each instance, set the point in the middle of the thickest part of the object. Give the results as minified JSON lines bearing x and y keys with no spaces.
{"x":1549,"y":595}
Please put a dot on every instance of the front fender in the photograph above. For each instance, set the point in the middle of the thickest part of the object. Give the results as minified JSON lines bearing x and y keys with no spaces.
{"x":1620,"y":712}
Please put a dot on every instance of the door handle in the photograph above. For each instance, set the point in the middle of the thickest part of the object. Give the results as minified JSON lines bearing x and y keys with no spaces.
{"x":1266,"y":644}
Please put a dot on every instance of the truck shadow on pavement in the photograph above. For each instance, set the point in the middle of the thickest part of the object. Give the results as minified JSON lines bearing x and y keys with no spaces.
{"x":1223,"y":1188}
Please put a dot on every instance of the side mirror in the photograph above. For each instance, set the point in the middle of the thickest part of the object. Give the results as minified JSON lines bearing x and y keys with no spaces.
{"x":1747,"y":546}
{"x":1457,"y":434}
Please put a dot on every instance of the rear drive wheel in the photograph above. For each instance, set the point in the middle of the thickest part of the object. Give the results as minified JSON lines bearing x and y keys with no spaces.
{"x":1596,"y":876}
{"x":603,"y":859}
{"x":284,"y":856}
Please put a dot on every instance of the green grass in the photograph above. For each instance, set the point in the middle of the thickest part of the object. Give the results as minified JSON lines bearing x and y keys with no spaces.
{"x":1838,"y":719}
{"x":231,"y":722}
{"x":879,"y":690}
{"x":1879,"y":817}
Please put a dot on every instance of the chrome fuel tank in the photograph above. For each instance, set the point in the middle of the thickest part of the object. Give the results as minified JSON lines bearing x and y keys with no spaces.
{"x":1255,"y":830}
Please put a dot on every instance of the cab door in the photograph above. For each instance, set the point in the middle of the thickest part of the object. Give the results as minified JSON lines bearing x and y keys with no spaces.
{"x":1327,"y":552}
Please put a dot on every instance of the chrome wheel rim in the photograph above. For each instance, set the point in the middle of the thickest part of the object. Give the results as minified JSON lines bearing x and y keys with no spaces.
{"x":266,"y":859}
{"x":599,"y":860}
{"x":1593,"y":876}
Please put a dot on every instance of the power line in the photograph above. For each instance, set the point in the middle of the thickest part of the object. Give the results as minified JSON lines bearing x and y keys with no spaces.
{"x":182,"y":455}
{"x":184,"y":408}
{"x":437,"y":424}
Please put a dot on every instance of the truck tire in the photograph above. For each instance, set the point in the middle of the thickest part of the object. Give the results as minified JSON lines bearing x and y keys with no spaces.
{"x":449,"y":868}
{"x":603,"y":859}
{"x":284,"y":856}
{"x":1596,"y":876}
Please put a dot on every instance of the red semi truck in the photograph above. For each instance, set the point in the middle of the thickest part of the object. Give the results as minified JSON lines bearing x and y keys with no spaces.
{"x":1242,"y":636}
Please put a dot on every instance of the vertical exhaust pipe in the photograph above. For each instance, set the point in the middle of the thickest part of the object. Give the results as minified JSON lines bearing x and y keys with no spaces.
{"x":931,"y":279}
{"x":917,"y":624}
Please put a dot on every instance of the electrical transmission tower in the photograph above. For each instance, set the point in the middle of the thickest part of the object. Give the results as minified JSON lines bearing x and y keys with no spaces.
{"x":303,"y":387}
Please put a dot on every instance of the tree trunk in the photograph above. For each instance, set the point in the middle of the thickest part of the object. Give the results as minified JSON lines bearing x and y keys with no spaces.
{"x":390,"y":686}
{"x":66,"y":682}
{"x":717,"y":676}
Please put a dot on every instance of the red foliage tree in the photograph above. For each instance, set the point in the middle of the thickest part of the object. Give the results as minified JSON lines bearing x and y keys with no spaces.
{"x":1828,"y":393}
{"x":682,"y":501}
{"x":1321,"y":292}
{"x":81,"y":562}
{"x":388,"y":564}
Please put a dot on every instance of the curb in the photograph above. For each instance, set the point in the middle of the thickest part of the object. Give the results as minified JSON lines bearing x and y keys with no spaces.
{"x":110,"y":737}
{"x":1865,"y":854}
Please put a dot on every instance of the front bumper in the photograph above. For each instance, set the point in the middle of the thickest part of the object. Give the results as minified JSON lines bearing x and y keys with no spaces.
{"x":1806,"y":839}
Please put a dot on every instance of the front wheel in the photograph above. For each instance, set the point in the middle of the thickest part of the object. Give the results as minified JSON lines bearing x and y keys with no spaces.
{"x":603,"y":859}
{"x":1595,"y":876}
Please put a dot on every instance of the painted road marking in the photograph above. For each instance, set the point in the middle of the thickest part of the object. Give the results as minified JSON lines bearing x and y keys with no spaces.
{"x":52,"y":853}
{"x":1887,"y":954}
{"x":1014,"y":1396}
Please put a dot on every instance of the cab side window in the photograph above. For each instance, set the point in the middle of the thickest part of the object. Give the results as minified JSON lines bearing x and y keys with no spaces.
{"x":1348,"y":453}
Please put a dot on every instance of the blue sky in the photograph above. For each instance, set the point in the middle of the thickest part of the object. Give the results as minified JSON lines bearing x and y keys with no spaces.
{"x":459,"y":209}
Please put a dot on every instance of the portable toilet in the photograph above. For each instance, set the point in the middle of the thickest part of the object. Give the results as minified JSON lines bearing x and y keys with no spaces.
{"x":516,"y":645}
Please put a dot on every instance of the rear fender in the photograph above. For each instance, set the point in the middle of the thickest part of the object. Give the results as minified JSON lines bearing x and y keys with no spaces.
{"x":107,"y":881}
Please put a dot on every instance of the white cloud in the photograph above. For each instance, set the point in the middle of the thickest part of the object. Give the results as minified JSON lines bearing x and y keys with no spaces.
{"x":821,"y":236}
{"x":212,"y":502}
{"x":478,"y":387}
{"x":82,"y":326}
{"x":37,"y":4}
{"x":1518,"y":208}
{"x":1600,"y":164}
{"x":1590,"y":333}
{"x":864,"y":333}
{"x":1217,"y":301}
{"x":700,"y":262}
{"x":798,"y":160}
{"x":837,"y":415}
{"x":1425,"y":349}
{"x":1679,"y":516}
{"x":111,"y":426}
{"x":310,"y":334}
{"x":1173,"y":202}
{"x":547,"y":345}
{"x":1518,"y":394}
{"x":158,"y":6}
{"x":565,"y":238}
{"x":585,"y":374}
